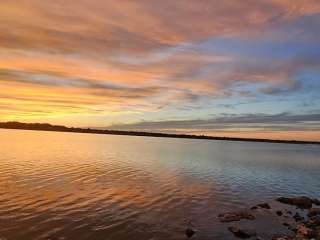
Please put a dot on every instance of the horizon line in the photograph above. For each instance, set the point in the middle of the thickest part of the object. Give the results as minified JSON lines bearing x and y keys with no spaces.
{"x":61,"y":128}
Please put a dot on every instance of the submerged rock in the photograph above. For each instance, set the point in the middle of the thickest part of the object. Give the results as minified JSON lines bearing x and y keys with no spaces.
{"x":235,"y":216}
{"x":242,"y":233}
{"x":279,"y":213}
{"x":300,"y":202}
{"x":189,"y":232}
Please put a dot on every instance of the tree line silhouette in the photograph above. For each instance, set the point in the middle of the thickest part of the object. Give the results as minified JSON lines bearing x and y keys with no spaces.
{"x":58,"y":128}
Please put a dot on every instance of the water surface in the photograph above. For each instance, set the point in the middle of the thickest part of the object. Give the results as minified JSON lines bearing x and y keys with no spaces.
{"x":85,"y":186}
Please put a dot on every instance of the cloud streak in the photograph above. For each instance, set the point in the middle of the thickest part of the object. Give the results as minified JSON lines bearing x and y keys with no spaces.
{"x":283,"y":120}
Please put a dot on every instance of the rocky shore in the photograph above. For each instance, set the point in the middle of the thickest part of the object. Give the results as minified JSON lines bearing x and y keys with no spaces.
{"x":303,"y":226}
{"x":299,"y":215}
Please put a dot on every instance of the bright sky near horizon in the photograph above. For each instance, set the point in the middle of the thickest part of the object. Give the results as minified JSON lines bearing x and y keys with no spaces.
{"x":248,"y":68}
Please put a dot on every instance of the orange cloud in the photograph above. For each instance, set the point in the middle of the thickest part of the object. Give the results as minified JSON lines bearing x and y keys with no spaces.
{"x":98,"y":25}
{"x":98,"y":57}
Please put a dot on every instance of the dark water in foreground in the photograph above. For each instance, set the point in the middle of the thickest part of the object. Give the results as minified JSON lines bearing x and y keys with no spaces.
{"x":84,"y":186}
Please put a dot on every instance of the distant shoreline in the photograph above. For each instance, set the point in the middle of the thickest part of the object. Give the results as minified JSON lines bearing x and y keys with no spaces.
{"x":55,"y":128}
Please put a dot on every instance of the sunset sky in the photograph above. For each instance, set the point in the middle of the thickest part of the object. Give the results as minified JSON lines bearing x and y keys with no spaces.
{"x":248,"y":68}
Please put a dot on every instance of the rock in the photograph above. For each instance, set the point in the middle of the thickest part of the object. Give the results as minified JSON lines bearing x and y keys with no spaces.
{"x":305,"y":232}
{"x":235,"y":216}
{"x":314,"y":212}
{"x":279,"y":213}
{"x":242,"y":233}
{"x":189,"y":232}
{"x":306,"y":227}
{"x":298,"y":218}
{"x":300,"y":202}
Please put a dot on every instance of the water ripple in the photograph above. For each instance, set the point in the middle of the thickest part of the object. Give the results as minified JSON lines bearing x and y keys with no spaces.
{"x":79,"y":186}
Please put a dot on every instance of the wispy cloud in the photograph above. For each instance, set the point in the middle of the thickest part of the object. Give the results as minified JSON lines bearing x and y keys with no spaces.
{"x":283,"y":121}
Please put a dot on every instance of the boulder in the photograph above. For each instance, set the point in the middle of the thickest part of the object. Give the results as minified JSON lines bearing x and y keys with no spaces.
{"x":279,"y":213}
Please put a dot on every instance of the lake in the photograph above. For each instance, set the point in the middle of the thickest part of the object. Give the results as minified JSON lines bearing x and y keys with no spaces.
{"x":84,"y":186}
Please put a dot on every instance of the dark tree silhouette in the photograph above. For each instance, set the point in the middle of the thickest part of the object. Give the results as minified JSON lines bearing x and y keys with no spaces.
{"x":57,"y":128}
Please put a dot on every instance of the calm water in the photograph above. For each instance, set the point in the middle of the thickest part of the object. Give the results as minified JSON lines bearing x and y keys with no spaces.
{"x":82,"y":186}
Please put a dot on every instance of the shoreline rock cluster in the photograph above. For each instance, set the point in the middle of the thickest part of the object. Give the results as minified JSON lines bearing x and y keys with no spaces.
{"x":306,"y":227}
